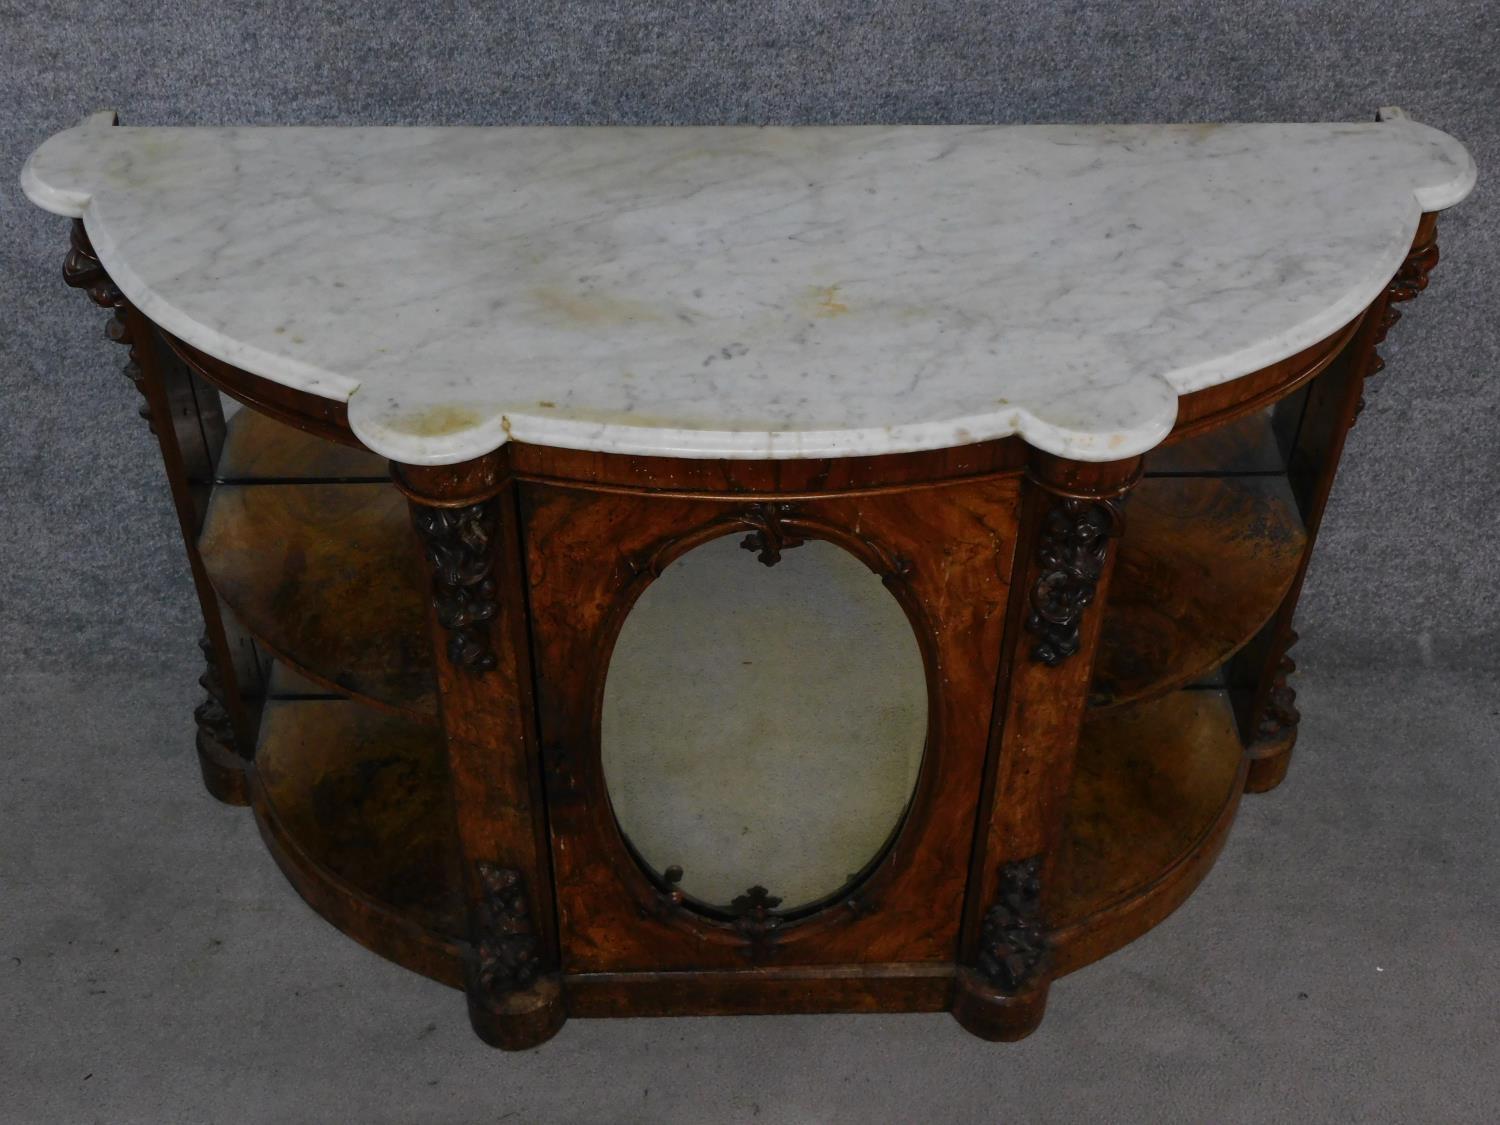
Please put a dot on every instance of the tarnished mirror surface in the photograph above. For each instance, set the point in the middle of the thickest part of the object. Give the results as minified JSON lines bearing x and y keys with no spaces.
{"x":763,"y":726}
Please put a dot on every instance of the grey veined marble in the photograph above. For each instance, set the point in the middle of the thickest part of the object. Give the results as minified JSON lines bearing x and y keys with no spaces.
{"x":752,"y":293}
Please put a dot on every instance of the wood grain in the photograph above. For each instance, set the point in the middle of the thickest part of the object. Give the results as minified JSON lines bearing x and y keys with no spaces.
{"x":1154,"y":792}
{"x":450,"y":811}
{"x":943,"y":552}
{"x":1203,"y":564}
{"x":354,"y":806}
{"x":339,"y":597}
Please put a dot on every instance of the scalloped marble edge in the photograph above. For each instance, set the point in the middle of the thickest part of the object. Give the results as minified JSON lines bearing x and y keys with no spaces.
{"x":1157,"y":392}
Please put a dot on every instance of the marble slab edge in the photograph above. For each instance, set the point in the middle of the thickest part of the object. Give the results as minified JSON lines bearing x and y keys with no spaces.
{"x":462,"y":433}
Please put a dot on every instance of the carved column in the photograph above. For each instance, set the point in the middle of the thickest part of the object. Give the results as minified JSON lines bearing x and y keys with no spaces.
{"x":1266,"y":701}
{"x":187,"y":420}
{"x":1072,"y":514}
{"x":467,"y":530}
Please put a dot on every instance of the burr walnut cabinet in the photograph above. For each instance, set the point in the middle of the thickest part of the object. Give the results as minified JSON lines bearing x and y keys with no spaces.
{"x":665,"y":571}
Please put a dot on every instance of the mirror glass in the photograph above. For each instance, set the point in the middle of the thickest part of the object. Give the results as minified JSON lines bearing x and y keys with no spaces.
{"x":763,"y":726}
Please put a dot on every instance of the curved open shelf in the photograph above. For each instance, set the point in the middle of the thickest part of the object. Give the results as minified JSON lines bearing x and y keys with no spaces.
{"x":354,"y":806}
{"x":258,"y":449}
{"x":1203,"y":564}
{"x":339,"y":597}
{"x":1155,"y":791}
{"x":1246,"y":445}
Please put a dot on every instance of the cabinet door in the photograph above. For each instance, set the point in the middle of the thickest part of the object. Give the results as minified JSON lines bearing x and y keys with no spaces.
{"x":764,"y":720}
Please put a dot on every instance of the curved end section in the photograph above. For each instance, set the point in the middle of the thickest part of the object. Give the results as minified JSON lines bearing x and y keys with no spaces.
{"x":1141,"y":413}
{"x":998,"y":1017}
{"x":1105,"y":412}
{"x":1269,"y":762}
{"x":434,"y":434}
{"x":223,"y":770}
{"x":53,"y":177}
{"x":1450,"y":173}
{"x":520,"y":1020}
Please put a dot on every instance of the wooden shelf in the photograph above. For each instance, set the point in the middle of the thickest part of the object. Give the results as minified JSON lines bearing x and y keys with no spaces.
{"x":1155,"y":790}
{"x":354,"y":806}
{"x":340,"y":598}
{"x":1245,"y":445}
{"x":1203,"y":564}
{"x":259,"y":449}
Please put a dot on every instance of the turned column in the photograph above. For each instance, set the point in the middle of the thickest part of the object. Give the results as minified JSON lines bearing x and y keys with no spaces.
{"x":1072,"y":513}
{"x":187,"y":420}
{"x":466,"y":521}
{"x":1314,"y":429}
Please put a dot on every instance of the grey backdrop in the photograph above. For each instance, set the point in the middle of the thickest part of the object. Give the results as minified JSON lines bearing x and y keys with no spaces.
{"x":162,"y":970}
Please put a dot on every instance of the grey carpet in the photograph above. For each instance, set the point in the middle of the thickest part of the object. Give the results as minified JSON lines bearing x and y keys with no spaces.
{"x":1369,"y":884}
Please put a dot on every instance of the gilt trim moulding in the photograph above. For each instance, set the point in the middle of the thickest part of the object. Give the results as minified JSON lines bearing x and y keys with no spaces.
{"x":752,"y":293}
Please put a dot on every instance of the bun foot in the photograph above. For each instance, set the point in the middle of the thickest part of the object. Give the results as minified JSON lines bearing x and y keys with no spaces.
{"x":223,"y":771}
{"x":522,"y":1019}
{"x":982,"y":1009}
{"x":1268,"y":763}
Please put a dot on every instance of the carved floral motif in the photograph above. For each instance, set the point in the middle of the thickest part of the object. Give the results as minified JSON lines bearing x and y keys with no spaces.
{"x":1280,"y":715}
{"x":506,"y":950}
{"x":1013,"y":946}
{"x":82,"y":270}
{"x":774,"y":528}
{"x":459,"y":546}
{"x":756,"y":920}
{"x":1410,"y":280}
{"x":213,"y":720}
{"x":768,"y":535}
{"x":668,"y":899}
{"x":1073,"y":548}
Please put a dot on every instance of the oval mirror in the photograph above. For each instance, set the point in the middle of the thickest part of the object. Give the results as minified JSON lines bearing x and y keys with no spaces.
{"x":763,"y":726}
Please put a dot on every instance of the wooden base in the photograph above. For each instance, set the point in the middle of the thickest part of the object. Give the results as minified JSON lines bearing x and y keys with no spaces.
{"x":353,"y":801}
{"x":353,"y":805}
{"x":1269,"y":762}
{"x":999,"y":1017}
{"x":224,"y":771}
{"x":801,"y":990}
{"x":522,"y":1020}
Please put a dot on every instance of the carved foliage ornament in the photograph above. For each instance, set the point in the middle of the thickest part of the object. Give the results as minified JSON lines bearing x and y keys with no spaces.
{"x":213,"y":720}
{"x":1281,"y":714}
{"x":459,"y":543}
{"x":669,"y":898}
{"x":753,"y":913}
{"x":755,"y":918}
{"x":776,"y":527}
{"x":1073,"y":547}
{"x":769,"y":536}
{"x":1013,"y":945}
{"x":507,"y":953}
{"x":82,"y":270}
{"x":1409,"y":281}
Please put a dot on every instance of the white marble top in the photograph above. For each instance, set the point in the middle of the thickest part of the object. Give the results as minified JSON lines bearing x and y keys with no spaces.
{"x":752,"y":292}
